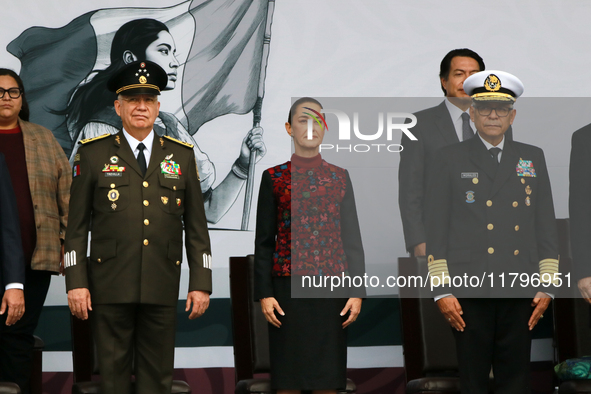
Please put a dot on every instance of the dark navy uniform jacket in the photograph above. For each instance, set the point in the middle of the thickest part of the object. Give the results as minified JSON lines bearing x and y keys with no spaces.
{"x":483,"y":219}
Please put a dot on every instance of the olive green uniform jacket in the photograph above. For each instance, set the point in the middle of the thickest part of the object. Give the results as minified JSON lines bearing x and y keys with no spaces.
{"x":136,"y":223}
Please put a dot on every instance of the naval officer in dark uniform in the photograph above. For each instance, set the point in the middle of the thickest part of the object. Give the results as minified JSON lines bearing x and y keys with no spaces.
{"x":138,"y":190}
{"x":490,"y":211}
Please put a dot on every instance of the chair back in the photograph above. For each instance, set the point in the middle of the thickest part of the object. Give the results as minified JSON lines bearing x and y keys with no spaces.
{"x":250,"y":328}
{"x":428,"y":342}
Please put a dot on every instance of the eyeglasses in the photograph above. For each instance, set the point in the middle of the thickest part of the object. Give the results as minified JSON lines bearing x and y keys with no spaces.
{"x":12,"y":92}
{"x":486,"y":111}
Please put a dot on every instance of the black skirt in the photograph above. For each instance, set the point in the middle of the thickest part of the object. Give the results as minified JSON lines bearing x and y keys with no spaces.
{"x":309,"y":351}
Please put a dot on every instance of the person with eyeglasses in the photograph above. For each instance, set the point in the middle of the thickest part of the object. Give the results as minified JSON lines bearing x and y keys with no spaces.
{"x":490,"y":216}
{"x":41,"y":176}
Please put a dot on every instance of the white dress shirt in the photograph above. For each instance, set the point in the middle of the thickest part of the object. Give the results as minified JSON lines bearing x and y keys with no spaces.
{"x":133,"y":143}
{"x":456,"y":118}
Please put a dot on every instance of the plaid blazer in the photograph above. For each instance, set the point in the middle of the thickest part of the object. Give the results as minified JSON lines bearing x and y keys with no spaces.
{"x":50,"y":177}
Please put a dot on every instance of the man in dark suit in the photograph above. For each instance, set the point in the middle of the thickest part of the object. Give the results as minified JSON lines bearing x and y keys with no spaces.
{"x":445,"y":124}
{"x":12,"y":260}
{"x":580,"y":209}
{"x":490,"y":212}
{"x":139,"y":191}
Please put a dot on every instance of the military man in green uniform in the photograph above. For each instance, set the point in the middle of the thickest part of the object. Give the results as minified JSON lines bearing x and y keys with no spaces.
{"x":135,"y":192}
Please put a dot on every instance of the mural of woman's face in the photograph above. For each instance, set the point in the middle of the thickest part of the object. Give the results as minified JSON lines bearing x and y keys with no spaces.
{"x":162,"y":52}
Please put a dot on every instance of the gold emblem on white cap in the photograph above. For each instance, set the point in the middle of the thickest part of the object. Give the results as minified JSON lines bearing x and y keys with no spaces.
{"x":492,"y":83}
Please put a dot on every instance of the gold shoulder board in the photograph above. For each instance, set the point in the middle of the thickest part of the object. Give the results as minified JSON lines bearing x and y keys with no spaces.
{"x":178,"y":142}
{"x":100,"y":137}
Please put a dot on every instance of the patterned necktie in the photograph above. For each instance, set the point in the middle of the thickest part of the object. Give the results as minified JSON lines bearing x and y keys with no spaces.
{"x":495,"y":155}
{"x":141,"y":159}
{"x":467,"y":131}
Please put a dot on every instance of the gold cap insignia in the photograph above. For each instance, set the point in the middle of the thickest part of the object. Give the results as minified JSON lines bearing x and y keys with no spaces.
{"x":492,"y":83}
{"x":143,"y":79}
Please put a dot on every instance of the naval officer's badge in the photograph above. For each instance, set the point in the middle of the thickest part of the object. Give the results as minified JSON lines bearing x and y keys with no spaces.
{"x":525,"y":168}
{"x":528,"y":190}
{"x":470,"y":196}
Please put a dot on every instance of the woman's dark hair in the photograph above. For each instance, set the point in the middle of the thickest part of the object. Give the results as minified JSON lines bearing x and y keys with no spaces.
{"x":24,"y":114}
{"x":445,"y":66}
{"x":90,"y":98}
{"x":299,"y":101}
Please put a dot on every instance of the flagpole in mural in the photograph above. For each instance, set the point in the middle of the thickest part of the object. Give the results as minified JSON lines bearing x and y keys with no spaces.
{"x":257,"y":116}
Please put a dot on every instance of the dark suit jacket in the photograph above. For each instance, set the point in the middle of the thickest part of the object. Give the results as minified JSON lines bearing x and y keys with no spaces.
{"x":12,"y":261}
{"x":489,"y":225}
{"x":137,"y":224}
{"x":580,"y":201}
{"x":434,"y":130}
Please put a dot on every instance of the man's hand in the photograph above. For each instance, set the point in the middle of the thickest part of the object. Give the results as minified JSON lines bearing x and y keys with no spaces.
{"x":452,"y":311}
{"x":200,"y":301}
{"x":541,"y":302}
{"x":269,"y":305}
{"x":14,"y":300}
{"x":252,"y":142}
{"x":354,"y":305}
{"x":420,"y":250}
{"x":62,"y":261}
{"x":585,"y":288}
{"x":79,"y":302}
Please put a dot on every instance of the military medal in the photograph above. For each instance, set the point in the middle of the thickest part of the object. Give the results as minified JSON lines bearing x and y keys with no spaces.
{"x":113,"y":170}
{"x":169,"y":168}
{"x":475,"y":181}
{"x":527,"y":201}
{"x":178,"y":202}
{"x":470,"y":196}
{"x":525,"y":168}
{"x":114,"y":160}
{"x":528,"y":190}
{"x":164,"y":200}
{"x":113,"y":195}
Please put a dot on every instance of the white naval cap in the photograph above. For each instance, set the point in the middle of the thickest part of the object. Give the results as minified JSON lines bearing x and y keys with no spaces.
{"x":493,"y":85}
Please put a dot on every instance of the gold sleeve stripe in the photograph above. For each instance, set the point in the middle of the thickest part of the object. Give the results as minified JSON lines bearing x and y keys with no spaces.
{"x":439,"y":269}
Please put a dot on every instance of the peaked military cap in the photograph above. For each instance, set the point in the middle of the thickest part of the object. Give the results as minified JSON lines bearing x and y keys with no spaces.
{"x":493,"y":85}
{"x":141,"y":77}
